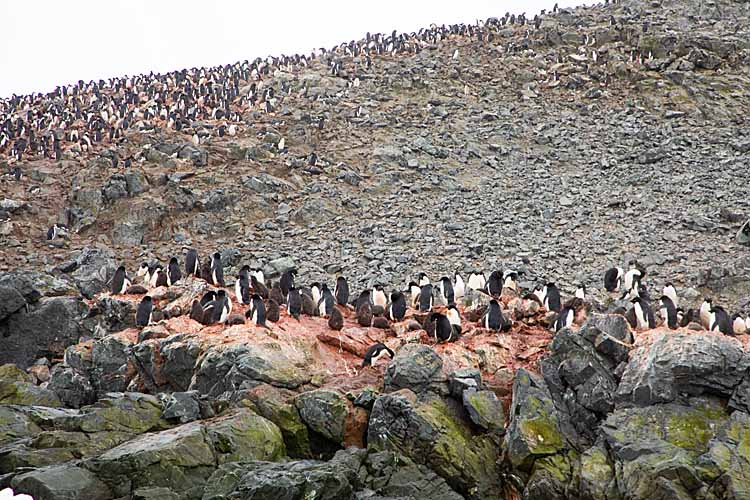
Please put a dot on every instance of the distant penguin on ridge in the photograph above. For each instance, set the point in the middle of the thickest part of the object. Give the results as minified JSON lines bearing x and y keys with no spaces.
{"x":705,"y":313}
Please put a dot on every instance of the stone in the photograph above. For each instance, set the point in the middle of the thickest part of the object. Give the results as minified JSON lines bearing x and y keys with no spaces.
{"x":485,"y":410}
{"x":15,"y":425}
{"x":244,"y":435}
{"x":414,"y":367}
{"x":10,"y":301}
{"x":324,"y":411}
{"x":182,"y":407}
{"x":72,"y":387}
{"x":462,"y":380}
{"x":68,"y":482}
{"x":94,"y":267}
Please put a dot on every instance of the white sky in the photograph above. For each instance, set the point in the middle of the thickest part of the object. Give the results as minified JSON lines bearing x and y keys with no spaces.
{"x":45,"y":43}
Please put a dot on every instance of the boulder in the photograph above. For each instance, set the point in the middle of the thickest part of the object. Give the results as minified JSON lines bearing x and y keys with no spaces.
{"x":17,"y":388}
{"x":324,"y":411}
{"x":182,"y":407}
{"x":414,"y":367}
{"x":462,"y":380}
{"x":15,"y":425}
{"x":94,"y":267}
{"x":433,"y":433}
{"x":245,"y":435}
{"x":72,"y":387}
{"x":33,"y":285}
{"x":485,"y":410}
{"x":61,"y":482}
{"x":109,"y":364}
{"x":10,"y":301}
{"x":678,"y":365}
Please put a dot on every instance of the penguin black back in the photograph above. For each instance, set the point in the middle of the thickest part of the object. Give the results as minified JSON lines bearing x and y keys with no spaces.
{"x":143,"y":312}
{"x":443,"y":327}
{"x":192,"y":265}
{"x":446,"y":290}
{"x":258,"y":287}
{"x":217,"y":270}
{"x":397,"y":307}
{"x":257,"y":310}
{"x":668,"y":312}
{"x":120,"y":281}
{"x":287,"y":281}
{"x":552,"y":297}
{"x":341,"y":291}
{"x":495,"y":283}
{"x":375,"y":353}
{"x":173,"y":272}
{"x":425,"y":298}
{"x":294,"y":303}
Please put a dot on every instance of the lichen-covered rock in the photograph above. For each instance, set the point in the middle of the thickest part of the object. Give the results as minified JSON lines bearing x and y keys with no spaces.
{"x":324,"y":411}
{"x":433,"y":433}
{"x":72,"y":387}
{"x":485,"y":410}
{"x":244,"y":435}
{"x":94,"y":267}
{"x":414,"y":367}
{"x":109,"y":369}
{"x":464,"y":379}
{"x":10,"y":301}
{"x":677,"y":364}
{"x":26,"y":393}
{"x":15,"y":425}
{"x":182,"y":407}
{"x":61,"y":482}
{"x":597,"y":475}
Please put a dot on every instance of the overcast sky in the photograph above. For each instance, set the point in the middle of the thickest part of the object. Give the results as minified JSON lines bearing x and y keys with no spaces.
{"x":45,"y":43}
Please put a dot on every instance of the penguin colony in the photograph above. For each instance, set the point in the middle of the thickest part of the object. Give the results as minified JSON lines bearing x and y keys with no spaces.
{"x":433,"y":308}
{"x":203,"y":103}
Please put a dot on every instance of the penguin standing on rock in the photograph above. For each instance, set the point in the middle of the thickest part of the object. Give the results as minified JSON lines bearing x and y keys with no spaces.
{"x":327,"y":302}
{"x":287,"y":281}
{"x":242,"y":286}
{"x":551,"y":295}
{"x":217,"y":270}
{"x":397,"y":308}
{"x":510,"y":280}
{"x":476,"y":281}
{"x":173,"y":272}
{"x":668,"y":311}
{"x":633,"y":277}
{"x":363,"y":309}
{"x":294,"y":303}
{"x":455,"y":319}
{"x":719,"y":321}
{"x":144,"y":271}
{"x":192,"y":265}
{"x":447,"y":293}
{"x":581,"y":292}
{"x":613,"y":279}
{"x":494,"y":285}
{"x":705,"y":313}
{"x":375,"y":353}
{"x":256,"y":313}
{"x":120,"y":281}
{"x":158,"y":277}
{"x":565,"y":317}
{"x":378,"y":296}
{"x":222,"y":307}
{"x":258,"y":287}
{"x":414,"y":291}
{"x":644,"y":315}
{"x":493,"y":319}
{"x":143,"y":312}
{"x":341,"y":291}
{"x":444,"y":331}
{"x":425,"y":298}
{"x":459,"y":287}
{"x":422,"y":279}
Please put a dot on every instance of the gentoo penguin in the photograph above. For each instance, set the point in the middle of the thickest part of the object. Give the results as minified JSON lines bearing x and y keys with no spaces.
{"x":378,"y":296}
{"x":415,"y":291}
{"x":272,"y":311}
{"x":375,"y":353}
{"x":143,"y":312}
{"x":222,"y":307}
{"x":719,"y":320}
{"x":217,"y":270}
{"x":644,"y":316}
{"x":287,"y":281}
{"x":192,"y":265}
{"x":327,"y":301}
{"x":443,"y":329}
{"x":294,"y":302}
{"x":455,"y":318}
{"x":668,"y":311}
{"x":705,"y":313}
{"x":459,"y":287}
{"x":494,"y":285}
{"x":551,"y":299}
{"x":493,"y":318}
{"x":425,"y":298}
{"x":565,"y":317}
{"x":397,"y":308}
{"x":144,"y":271}
{"x":738,"y":325}
{"x":120,"y":281}
{"x":446,"y":290}
{"x":173,"y":272}
{"x":257,"y":310}
{"x":476,"y":281}
{"x":422,"y":279}
{"x":315,"y":292}
{"x":510,"y":280}
{"x":341,"y":291}
{"x":670,"y":292}
{"x":613,"y":278}
{"x":336,"y":320}
{"x":158,"y":277}
{"x":242,"y":286}
{"x":581,"y":292}
{"x":258,"y":287}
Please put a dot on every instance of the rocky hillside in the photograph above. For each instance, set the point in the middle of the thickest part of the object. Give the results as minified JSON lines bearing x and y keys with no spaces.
{"x":603,"y":134}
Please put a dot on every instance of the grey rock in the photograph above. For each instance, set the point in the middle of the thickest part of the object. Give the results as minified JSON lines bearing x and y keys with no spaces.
{"x":462,"y":380}
{"x":485,"y":410}
{"x":61,"y":482}
{"x":135,"y":182}
{"x":182,"y":407}
{"x":94,"y":268}
{"x":72,"y":387}
{"x":324,"y":411}
{"x":10,"y":301}
{"x":115,"y":188}
{"x":414,"y":367}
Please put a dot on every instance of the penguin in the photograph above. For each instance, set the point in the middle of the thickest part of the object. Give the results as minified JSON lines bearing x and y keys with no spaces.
{"x":273,"y":313}
{"x":705,"y":313}
{"x":242,"y":286}
{"x":276,"y":294}
{"x":493,"y":319}
{"x":422,"y":279}
{"x":668,"y":311}
{"x":425,"y":298}
{"x":747,"y":324}
{"x":55,"y":230}
{"x":327,"y":302}
{"x":173,"y":272}
{"x":341,"y":291}
{"x":443,"y":328}
{"x":258,"y":287}
{"x":217,"y":270}
{"x":336,"y":320}
{"x":581,"y":292}
{"x":447,"y":293}
{"x":415,"y":291}
{"x":375,"y":353}
{"x":540,"y":294}
{"x":364,"y":314}
{"x":256,"y":313}
{"x":476,"y":281}
{"x":315,"y":292}
{"x":378,"y":296}
{"x":719,"y":320}
{"x":551,"y":299}
{"x":143,"y":312}
{"x":222,"y":307}
{"x":494,"y":286}
{"x":632,"y":276}
{"x":738,"y":325}
{"x":459,"y":287}
{"x":670,"y":292}
{"x":144,"y":271}
{"x":510,"y":280}
{"x":397,"y":308}
{"x":158,"y":277}
{"x":455,"y":318}
{"x":613,"y":279}
{"x":196,"y":312}
{"x":294,"y":302}
{"x":644,"y":316}
{"x":364,"y":298}
{"x":309,"y":306}
{"x":120,"y":281}
{"x":565,"y":318}
{"x":259,"y":276}
{"x":287,"y":281}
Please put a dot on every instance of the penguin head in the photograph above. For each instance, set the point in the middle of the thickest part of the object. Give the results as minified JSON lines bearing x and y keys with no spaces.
{"x":435,"y":316}
{"x":217,"y":256}
{"x":173,"y":261}
{"x":147,"y":299}
{"x":324,"y":287}
{"x":245,"y":269}
{"x":221,"y":293}
{"x":396,"y":296}
{"x":121,"y":269}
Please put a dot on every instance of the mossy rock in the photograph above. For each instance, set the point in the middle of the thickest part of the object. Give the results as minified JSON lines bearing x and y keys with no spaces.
{"x":81,"y":444}
{"x":16,"y":456}
{"x":274,"y":404}
{"x":596,"y":475}
{"x":324,"y":411}
{"x":14,"y":425}
{"x":24,"y":393}
{"x":12,"y":373}
{"x":245,"y":435}
{"x":125,"y":412}
{"x":64,"y":482}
